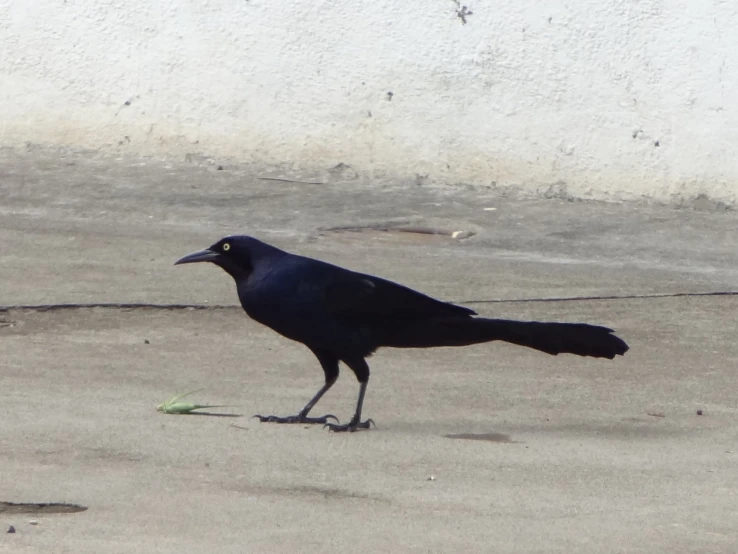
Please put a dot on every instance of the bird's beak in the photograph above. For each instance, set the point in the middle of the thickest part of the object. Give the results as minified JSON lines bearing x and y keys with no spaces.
{"x":206,"y":255}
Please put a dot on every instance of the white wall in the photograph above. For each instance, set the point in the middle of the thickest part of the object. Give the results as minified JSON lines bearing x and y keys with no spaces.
{"x":609,"y":98}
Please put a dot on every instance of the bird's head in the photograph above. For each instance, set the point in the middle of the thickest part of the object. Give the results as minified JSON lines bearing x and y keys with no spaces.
{"x":237,"y":255}
{"x":230,"y":253}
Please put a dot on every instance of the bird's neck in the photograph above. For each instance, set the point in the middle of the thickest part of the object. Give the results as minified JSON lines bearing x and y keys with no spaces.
{"x":239,"y":272}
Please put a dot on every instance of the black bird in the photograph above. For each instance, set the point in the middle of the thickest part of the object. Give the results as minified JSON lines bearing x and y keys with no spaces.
{"x":344,"y":316}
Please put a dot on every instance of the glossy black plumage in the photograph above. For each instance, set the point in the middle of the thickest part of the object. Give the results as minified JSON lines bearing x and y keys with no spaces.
{"x":344,"y":316}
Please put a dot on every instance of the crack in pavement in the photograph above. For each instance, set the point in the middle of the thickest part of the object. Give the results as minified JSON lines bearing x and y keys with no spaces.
{"x":153,"y":306}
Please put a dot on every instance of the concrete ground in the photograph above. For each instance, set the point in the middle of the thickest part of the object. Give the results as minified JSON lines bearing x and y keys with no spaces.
{"x":492,"y":448}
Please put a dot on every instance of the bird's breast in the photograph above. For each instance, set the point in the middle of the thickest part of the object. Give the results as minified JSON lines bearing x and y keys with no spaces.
{"x":300,"y":314}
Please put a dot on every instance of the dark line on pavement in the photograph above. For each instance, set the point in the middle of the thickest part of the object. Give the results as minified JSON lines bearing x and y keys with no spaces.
{"x":151,"y":306}
{"x":117,"y":306}
{"x":283,"y":180}
{"x":589,"y":298}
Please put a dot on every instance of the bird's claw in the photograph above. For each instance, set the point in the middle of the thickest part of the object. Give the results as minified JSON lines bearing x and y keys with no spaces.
{"x":350,"y":427}
{"x":297,"y":419}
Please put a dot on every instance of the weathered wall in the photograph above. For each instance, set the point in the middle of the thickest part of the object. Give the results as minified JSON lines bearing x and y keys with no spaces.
{"x":602,"y":98}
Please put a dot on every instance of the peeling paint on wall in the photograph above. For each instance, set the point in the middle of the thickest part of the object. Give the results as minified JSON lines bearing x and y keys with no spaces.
{"x":462,"y":11}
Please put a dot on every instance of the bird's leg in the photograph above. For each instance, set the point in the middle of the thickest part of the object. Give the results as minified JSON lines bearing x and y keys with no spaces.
{"x":302,"y":417}
{"x":361,"y":369}
{"x":330,"y":367}
{"x":355,"y":424}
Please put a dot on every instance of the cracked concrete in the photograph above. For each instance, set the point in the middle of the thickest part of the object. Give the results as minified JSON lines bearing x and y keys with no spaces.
{"x":597,"y":456}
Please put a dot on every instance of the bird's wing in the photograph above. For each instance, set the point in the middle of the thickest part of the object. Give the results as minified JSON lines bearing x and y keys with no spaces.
{"x":357,"y":295}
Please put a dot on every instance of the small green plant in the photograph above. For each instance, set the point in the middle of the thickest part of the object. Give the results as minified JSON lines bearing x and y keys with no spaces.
{"x":174,"y":406}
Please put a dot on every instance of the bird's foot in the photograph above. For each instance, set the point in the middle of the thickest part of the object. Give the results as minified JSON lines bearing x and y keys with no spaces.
{"x":350,"y":427}
{"x":299,"y":418}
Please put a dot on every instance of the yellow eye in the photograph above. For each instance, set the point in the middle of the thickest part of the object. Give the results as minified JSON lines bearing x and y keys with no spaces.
{"x":226,"y":247}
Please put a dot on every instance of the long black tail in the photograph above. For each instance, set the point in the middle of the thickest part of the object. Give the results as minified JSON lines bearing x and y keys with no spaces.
{"x":553,"y":338}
